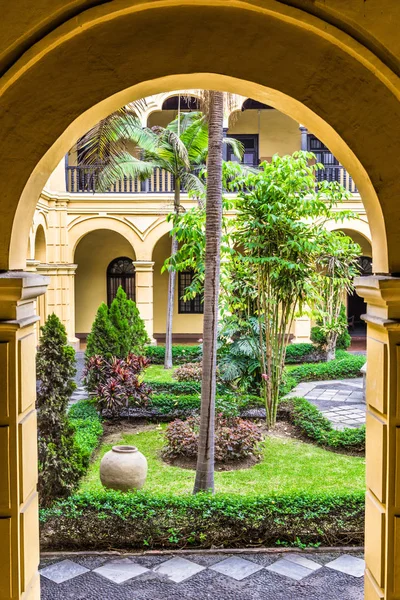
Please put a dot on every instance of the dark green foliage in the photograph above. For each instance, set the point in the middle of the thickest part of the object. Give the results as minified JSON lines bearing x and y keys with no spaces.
{"x":229,"y":404}
{"x":340,"y":368}
{"x":60,"y":464}
{"x":180,"y":354}
{"x":302,"y":353}
{"x":235,"y":438}
{"x":179,"y":387}
{"x":86,"y":423}
{"x":316,"y":427}
{"x":104,"y":520}
{"x":318,"y":337}
{"x":128,"y":325}
{"x":102,"y":340}
{"x":117,"y":330}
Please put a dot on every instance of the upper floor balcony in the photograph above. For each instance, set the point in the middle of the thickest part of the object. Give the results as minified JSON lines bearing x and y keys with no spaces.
{"x":84,"y":179}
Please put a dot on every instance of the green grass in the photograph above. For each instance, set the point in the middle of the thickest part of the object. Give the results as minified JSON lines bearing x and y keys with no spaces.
{"x":158,"y":374}
{"x":287,"y":466}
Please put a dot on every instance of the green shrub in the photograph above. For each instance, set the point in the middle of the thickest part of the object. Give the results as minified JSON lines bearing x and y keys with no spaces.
{"x":180,"y":354}
{"x":118,"y":330}
{"x":60,"y":465}
{"x":96,"y":521}
{"x":189,"y":372}
{"x":227,"y":404}
{"x":318,"y":428}
{"x":302,"y":353}
{"x":340,"y":368}
{"x":235,"y":438}
{"x":86,"y":423}
{"x":176,"y":388}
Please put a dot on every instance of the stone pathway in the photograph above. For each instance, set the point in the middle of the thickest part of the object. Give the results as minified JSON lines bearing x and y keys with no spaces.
{"x":239,"y":576}
{"x":341,"y":401}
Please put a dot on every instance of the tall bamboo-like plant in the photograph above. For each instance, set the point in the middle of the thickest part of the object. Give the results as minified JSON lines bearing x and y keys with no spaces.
{"x":281,"y":228}
{"x":337,"y":266}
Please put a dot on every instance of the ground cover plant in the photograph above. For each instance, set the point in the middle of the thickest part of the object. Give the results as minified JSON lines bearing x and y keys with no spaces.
{"x":345,"y":366}
{"x":189,"y":372}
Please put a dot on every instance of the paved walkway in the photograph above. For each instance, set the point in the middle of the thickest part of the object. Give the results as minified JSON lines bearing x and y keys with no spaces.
{"x":242,"y":576}
{"x":341,"y":401}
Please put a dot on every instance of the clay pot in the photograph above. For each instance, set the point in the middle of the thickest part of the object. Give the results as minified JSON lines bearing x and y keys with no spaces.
{"x":123,"y":468}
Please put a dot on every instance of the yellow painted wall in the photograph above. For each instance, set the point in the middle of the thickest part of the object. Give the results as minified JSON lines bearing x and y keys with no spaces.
{"x":366,"y":249}
{"x":181,"y":323}
{"x":93,"y":255}
{"x":278,"y":133}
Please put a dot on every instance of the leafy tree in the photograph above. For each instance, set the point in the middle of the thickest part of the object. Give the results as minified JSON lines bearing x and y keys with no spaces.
{"x":280,"y":229}
{"x":337,"y":264}
{"x":60,"y":464}
{"x":102,"y":340}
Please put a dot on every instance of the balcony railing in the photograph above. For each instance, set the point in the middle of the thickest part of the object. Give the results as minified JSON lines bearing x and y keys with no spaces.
{"x":85,"y":179}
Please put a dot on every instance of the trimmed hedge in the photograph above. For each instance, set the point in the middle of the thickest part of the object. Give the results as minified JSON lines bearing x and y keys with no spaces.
{"x":303,"y":353}
{"x":183,"y":405}
{"x":87,"y":426}
{"x":341,"y":368}
{"x":139,"y":520}
{"x":319,"y":429}
{"x":180,"y":354}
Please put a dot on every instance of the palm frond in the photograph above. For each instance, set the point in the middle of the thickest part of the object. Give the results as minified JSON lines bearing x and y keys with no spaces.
{"x":236,"y":145}
{"x":123,"y":165}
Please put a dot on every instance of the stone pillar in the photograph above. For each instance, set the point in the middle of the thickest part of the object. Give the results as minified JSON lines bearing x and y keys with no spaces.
{"x":19,"y":525}
{"x":60,"y":297}
{"x":144,"y":292}
{"x":303,"y":132}
{"x":382,"y":521}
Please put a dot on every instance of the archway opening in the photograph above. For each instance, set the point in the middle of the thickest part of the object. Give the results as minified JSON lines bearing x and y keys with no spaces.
{"x":40,"y":245}
{"x":94,"y":254}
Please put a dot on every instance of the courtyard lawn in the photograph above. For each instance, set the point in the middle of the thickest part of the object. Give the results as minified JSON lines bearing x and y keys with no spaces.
{"x":287,"y":466}
{"x":157,"y":374}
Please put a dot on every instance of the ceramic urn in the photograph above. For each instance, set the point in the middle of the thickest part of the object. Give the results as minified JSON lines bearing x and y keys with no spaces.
{"x":123,"y":468}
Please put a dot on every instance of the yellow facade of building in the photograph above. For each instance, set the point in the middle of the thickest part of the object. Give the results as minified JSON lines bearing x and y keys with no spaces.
{"x":332,"y":66}
{"x":76,"y":235}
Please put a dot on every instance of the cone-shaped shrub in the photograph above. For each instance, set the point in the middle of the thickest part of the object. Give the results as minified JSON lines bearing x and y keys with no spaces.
{"x":102,"y":340}
{"x":60,"y":465}
{"x":129,"y":327}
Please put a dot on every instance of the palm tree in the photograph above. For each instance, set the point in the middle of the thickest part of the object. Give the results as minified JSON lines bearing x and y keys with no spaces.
{"x":180,"y":148}
{"x":205,"y":458}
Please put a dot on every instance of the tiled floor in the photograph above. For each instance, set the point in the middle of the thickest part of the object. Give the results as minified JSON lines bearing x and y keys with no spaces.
{"x":247,"y":576}
{"x":341,"y":401}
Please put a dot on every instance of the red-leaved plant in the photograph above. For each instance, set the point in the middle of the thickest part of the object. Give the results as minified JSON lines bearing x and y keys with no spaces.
{"x":235,"y":438}
{"x":115,"y":382}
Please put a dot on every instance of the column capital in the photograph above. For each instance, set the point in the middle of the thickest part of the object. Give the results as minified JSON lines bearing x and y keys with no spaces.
{"x":56,"y":268}
{"x":18,"y":293}
{"x":382,"y":294}
{"x":143,"y":265}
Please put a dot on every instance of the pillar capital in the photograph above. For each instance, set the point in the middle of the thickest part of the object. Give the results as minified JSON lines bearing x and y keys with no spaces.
{"x":382,"y":294}
{"x":18,"y":293}
{"x":143,"y":266}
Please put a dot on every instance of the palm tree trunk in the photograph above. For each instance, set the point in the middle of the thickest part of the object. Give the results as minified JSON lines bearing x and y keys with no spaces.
{"x":205,"y":458}
{"x":172,"y":285}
